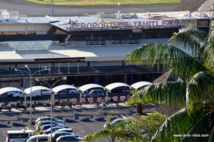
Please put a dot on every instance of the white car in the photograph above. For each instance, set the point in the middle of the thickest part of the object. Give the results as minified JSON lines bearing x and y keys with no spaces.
{"x":69,"y":138}
{"x":19,"y":95}
{"x":69,"y":130}
{"x":10,"y":93}
{"x":48,"y":131}
{"x":48,"y":118}
{"x":41,"y":123}
{"x":18,"y":135}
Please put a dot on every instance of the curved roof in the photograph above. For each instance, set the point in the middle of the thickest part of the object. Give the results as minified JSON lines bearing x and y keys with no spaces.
{"x":35,"y":88}
{"x":115,"y":85}
{"x":140,"y":84}
{"x":8,"y":89}
{"x":62,"y":87}
{"x":89,"y":86}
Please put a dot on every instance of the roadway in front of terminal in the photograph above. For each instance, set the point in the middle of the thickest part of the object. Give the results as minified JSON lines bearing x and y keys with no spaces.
{"x":32,"y":9}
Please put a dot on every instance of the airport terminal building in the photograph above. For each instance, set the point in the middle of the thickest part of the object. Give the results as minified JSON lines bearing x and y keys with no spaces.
{"x":85,"y":49}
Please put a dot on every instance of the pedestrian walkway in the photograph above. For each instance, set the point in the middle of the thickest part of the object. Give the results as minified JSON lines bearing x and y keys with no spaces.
{"x":59,"y":108}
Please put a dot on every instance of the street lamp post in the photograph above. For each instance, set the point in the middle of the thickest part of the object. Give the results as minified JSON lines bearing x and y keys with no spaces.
{"x":52,"y":7}
{"x":31,"y":76}
{"x":95,"y":115}
{"x":51,"y":99}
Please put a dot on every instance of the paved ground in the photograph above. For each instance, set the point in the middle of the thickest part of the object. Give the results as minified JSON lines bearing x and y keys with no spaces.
{"x":82,"y":128}
{"x":32,"y":9}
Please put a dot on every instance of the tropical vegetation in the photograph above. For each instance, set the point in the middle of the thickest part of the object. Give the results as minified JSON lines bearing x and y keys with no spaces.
{"x":190,"y":55}
{"x":134,"y":129}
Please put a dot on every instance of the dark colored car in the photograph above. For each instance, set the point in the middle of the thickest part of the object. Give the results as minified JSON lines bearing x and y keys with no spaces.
{"x":55,"y":135}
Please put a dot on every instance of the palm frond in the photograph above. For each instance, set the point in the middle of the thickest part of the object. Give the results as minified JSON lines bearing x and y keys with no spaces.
{"x":182,"y":126}
{"x":200,"y":88}
{"x":191,"y":39}
{"x":174,"y":127}
{"x":199,"y":128}
{"x":172,"y":93}
{"x":209,"y":51}
{"x":167,"y":56}
{"x":211,"y":139}
{"x":97,"y":135}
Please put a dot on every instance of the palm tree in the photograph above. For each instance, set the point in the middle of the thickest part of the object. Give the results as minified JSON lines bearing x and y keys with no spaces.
{"x":194,"y":122}
{"x":133,"y":129}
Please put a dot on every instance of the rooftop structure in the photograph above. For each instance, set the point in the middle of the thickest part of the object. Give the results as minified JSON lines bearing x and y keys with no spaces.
{"x":91,"y":46}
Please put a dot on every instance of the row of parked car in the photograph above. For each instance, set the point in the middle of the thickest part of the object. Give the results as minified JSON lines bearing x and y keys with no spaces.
{"x":40,"y":93}
{"x":49,"y":129}
{"x":89,"y":93}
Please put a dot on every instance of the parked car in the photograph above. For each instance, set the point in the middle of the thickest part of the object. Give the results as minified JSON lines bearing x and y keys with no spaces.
{"x":10,"y":93}
{"x":38,"y":138}
{"x":48,"y":118}
{"x":18,"y":135}
{"x":41,"y":123}
{"x":69,"y":130}
{"x":121,"y":90}
{"x":55,"y":135}
{"x":69,"y":138}
{"x":73,"y":92}
{"x":47,"y":126}
{"x":48,"y":131}
{"x":94,"y":93}
{"x":114,"y":122}
{"x":46,"y":92}
{"x":19,"y":95}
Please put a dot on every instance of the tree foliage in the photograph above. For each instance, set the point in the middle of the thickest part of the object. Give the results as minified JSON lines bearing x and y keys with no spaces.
{"x":195,"y":62}
{"x":133,"y":129}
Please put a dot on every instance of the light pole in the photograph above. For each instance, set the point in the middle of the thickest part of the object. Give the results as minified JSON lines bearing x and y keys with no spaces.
{"x":95,"y":115}
{"x":31,"y":76}
{"x":51,"y":99}
{"x":52,"y":7}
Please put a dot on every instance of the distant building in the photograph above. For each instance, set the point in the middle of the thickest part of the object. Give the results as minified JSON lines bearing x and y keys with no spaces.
{"x":86,"y":49}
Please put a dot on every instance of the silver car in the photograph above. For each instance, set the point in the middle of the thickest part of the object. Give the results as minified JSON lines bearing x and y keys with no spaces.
{"x":94,"y":93}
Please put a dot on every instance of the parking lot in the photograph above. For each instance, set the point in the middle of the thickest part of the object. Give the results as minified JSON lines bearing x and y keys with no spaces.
{"x":74,"y":117}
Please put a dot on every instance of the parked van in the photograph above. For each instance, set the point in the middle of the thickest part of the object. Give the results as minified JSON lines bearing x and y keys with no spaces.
{"x":19,"y":135}
{"x":38,"y":138}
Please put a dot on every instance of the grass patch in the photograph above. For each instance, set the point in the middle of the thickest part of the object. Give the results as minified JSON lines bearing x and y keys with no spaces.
{"x":102,"y":2}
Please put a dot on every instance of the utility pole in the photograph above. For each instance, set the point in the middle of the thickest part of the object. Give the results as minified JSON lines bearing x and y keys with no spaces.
{"x":52,"y":8}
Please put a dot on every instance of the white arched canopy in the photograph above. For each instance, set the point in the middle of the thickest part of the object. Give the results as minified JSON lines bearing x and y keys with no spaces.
{"x":90,"y":86}
{"x":63,"y":87}
{"x":140,"y":84}
{"x":8,"y":89}
{"x":35,"y":88}
{"x":115,"y":85}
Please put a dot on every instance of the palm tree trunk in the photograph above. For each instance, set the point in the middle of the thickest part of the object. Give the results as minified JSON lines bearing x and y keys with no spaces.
{"x":139,"y":108}
{"x":113,"y":138}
